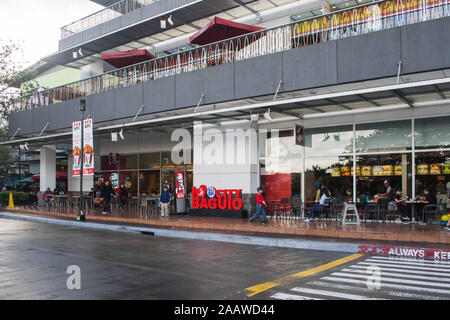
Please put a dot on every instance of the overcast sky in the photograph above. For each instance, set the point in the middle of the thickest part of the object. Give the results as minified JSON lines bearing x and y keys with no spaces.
{"x":38,"y":23}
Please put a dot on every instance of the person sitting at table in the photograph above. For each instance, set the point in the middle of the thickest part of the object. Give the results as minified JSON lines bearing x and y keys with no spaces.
{"x":348,"y":196}
{"x":48,"y":197}
{"x":389,"y":194}
{"x":427,"y":198}
{"x":363,"y":199}
{"x":401,"y":205}
{"x":320,"y":206}
{"x":123,"y":195}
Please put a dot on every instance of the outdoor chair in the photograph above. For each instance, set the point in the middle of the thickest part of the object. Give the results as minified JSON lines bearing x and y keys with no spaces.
{"x":392,"y":211}
{"x":285,"y":208}
{"x":382,"y":208}
{"x":428,"y":211}
{"x":371,"y":211}
{"x":336,"y":209}
{"x":296,"y":206}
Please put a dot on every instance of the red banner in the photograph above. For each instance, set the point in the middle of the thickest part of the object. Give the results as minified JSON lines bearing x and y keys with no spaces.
{"x":180,"y":190}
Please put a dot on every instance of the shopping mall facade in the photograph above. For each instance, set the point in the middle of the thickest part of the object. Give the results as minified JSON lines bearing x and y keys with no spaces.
{"x":369,"y":85}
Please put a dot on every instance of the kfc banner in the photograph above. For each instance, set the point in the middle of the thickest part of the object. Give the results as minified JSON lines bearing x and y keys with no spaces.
{"x":88,"y":148}
{"x":180,"y":191}
{"x":76,"y":148}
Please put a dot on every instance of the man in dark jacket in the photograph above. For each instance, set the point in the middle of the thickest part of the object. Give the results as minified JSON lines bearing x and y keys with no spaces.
{"x":165,"y":201}
{"x":107,"y":192}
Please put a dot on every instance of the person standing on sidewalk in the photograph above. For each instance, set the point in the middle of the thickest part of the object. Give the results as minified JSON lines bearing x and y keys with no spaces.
{"x":107,"y":192}
{"x":260,"y":207}
{"x":165,"y":201}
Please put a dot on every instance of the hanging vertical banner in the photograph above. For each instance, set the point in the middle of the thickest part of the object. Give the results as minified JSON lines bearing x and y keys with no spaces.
{"x":299,"y":135}
{"x":179,"y":184}
{"x":76,"y":148}
{"x":88,"y":148}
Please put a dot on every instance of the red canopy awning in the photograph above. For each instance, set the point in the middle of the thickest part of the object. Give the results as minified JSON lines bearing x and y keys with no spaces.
{"x":60,"y":175}
{"x":220,"y":29}
{"x":127,"y":58}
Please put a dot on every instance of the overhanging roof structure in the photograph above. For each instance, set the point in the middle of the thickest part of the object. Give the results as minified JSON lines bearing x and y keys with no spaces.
{"x":123,"y":59}
{"x":344,"y":100}
{"x":220,"y":29}
{"x":185,"y":15}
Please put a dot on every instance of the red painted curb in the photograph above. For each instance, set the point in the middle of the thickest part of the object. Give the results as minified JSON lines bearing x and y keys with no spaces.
{"x":392,"y":251}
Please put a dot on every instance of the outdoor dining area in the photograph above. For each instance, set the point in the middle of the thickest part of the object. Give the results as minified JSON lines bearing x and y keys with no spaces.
{"x":380,"y":210}
{"x":134,"y":207}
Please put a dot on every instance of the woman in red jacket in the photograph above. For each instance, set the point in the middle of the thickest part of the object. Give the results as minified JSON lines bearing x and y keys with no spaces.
{"x":260,"y":207}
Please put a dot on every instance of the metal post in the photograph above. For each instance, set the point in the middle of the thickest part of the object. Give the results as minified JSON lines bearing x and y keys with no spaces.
{"x":81,"y":216}
{"x":20,"y":171}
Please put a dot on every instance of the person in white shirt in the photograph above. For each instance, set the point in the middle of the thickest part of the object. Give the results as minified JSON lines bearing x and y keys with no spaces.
{"x":324,"y":195}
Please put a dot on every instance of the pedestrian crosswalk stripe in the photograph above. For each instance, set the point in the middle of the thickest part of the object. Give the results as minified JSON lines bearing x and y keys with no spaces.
{"x":367,"y":290}
{"x":340,"y":286}
{"x":435,"y":262}
{"x":383,"y":279}
{"x":332,"y":294}
{"x":287,"y":296}
{"x":401,"y":275}
{"x":410,"y":263}
{"x":415,"y":296}
{"x":389,"y":285}
{"x":402,"y":266}
{"x":400,"y":269}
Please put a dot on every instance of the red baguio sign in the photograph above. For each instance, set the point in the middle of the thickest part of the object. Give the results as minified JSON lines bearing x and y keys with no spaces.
{"x":210,"y":198}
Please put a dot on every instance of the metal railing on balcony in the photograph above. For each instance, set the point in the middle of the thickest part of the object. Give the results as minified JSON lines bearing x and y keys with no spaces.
{"x":334,"y":26}
{"x":108,"y":13}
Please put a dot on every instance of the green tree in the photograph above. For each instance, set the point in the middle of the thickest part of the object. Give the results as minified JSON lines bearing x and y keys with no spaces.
{"x":12,"y":76}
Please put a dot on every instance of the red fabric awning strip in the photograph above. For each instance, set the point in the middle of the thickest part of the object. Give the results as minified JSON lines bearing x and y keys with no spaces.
{"x":221,"y":29}
{"x":60,"y":175}
{"x":123,"y":59}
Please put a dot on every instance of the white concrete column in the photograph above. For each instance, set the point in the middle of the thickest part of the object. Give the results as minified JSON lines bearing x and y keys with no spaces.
{"x":47,"y":168}
{"x":226,"y":157}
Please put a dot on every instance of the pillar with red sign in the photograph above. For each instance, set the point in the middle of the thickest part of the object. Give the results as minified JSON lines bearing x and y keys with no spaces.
{"x":180,"y":191}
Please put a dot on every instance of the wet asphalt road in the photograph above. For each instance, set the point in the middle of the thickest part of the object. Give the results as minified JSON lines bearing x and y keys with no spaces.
{"x":114,"y":265}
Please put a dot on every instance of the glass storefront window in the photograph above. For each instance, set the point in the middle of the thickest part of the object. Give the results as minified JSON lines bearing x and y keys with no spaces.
{"x":383,"y":136}
{"x":281,"y":166}
{"x":433,"y":172}
{"x":373,"y":170}
{"x":432,"y":133}
{"x":129,"y":179}
{"x":329,"y":140}
{"x":128,"y":162}
{"x":149,"y":182}
{"x":150,"y":160}
{"x":335,"y":173}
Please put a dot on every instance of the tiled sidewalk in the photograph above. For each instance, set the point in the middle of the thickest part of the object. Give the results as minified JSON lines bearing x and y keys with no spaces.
{"x":332,"y":230}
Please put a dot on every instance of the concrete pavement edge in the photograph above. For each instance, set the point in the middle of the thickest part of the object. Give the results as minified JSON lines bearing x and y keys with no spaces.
{"x":231,"y":238}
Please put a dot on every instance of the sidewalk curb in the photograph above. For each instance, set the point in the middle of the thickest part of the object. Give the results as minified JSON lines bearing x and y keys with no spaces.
{"x":250,"y":240}
{"x":379,"y":250}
